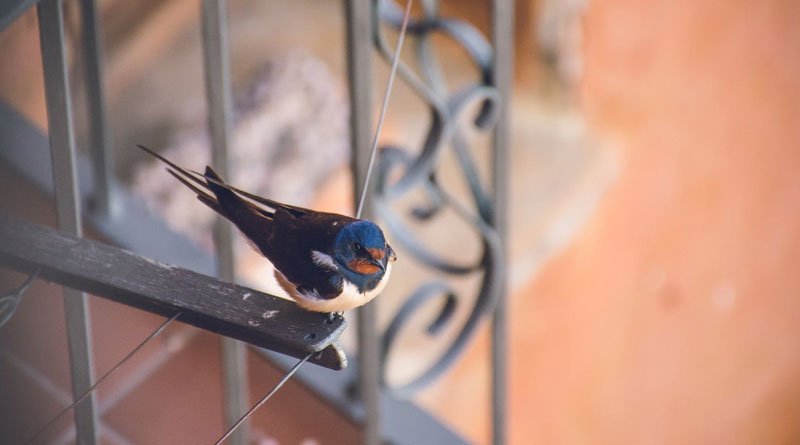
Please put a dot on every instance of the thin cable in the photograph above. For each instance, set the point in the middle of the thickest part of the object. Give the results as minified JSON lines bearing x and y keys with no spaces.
{"x":385,"y":106}
{"x":265,"y":398}
{"x":10,"y":300}
{"x":153,"y":335}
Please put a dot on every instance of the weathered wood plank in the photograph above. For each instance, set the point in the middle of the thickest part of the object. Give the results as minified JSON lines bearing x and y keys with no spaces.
{"x":205,"y":302}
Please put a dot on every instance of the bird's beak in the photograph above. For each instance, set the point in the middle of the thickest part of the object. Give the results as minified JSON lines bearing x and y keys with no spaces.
{"x":392,"y":255}
{"x":377,"y":264}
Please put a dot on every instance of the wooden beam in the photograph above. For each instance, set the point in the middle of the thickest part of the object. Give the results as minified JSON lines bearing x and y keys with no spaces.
{"x":227,"y":309}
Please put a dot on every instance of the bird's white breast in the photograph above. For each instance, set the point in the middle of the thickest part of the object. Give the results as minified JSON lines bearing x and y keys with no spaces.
{"x":350,"y":298}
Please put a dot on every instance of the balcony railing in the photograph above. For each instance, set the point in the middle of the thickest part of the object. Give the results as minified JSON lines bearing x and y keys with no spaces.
{"x":86,"y":188}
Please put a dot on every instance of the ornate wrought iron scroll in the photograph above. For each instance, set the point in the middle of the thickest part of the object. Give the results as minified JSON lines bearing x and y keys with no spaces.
{"x":419,"y":171}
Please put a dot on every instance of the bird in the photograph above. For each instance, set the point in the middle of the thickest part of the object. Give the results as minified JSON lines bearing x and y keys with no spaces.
{"x":326,"y":262}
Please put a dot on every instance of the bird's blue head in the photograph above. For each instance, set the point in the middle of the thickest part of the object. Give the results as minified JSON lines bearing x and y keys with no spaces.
{"x":361,"y":249}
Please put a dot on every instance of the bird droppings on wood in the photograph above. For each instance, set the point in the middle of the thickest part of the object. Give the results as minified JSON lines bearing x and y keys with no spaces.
{"x":269,"y":314}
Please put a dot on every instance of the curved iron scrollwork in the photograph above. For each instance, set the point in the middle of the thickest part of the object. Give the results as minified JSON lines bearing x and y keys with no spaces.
{"x":419,"y":171}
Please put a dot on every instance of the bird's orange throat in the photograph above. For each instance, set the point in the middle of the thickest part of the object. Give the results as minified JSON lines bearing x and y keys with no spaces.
{"x":362,"y":267}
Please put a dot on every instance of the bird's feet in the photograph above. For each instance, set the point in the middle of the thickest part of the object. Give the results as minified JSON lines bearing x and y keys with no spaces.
{"x":333,"y":315}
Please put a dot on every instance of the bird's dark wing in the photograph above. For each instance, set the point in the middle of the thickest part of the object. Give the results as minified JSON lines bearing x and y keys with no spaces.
{"x":255,"y":223}
{"x":274,"y":205}
{"x":294,"y":238}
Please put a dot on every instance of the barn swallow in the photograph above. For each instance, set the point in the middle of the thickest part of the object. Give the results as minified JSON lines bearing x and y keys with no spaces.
{"x":325,"y":261}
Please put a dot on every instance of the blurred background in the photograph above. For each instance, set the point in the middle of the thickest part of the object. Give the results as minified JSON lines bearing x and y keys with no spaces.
{"x":653,"y":251}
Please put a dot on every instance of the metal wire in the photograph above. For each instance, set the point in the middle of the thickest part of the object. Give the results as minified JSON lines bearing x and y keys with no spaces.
{"x":153,"y":335}
{"x":265,"y":398}
{"x":384,"y":106}
{"x":10,"y":300}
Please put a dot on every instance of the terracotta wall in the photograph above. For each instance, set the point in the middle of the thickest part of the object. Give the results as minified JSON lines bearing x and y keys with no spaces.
{"x":674,"y":316}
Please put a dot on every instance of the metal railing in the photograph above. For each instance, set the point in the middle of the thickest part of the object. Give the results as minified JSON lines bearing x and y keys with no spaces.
{"x":384,"y":411}
{"x":65,"y":189}
{"x":220,"y":115}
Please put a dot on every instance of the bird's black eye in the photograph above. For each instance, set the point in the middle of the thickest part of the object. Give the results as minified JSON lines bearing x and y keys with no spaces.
{"x":357,"y":246}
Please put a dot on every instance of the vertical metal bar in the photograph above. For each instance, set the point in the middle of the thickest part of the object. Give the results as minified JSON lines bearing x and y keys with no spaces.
{"x":99,"y":140}
{"x":62,"y":147}
{"x":502,"y":70}
{"x":220,"y":106}
{"x":360,"y":17}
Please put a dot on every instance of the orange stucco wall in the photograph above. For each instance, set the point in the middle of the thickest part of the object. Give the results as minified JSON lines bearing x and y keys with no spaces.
{"x":674,"y":317}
